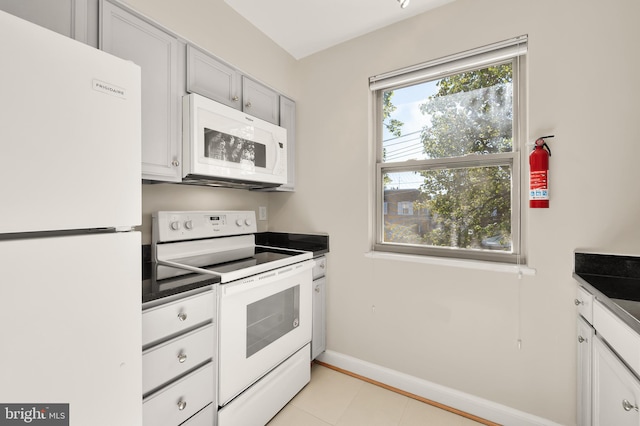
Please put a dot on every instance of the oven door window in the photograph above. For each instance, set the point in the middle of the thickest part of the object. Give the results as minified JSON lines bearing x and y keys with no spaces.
{"x":271,"y":318}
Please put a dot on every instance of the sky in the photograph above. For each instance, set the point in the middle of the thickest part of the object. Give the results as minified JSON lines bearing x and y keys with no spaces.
{"x":408,"y":146}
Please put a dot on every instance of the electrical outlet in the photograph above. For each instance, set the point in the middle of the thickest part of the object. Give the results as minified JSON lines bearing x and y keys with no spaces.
{"x":262,"y":213}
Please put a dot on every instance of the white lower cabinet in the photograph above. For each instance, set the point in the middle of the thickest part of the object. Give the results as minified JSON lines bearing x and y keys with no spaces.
{"x":585,"y":339}
{"x":179,"y":360}
{"x":163,"y":362}
{"x":174,"y":317}
{"x":175,"y":403}
{"x":616,"y":390}
{"x":205,"y":417}
{"x":318,"y":334}
{"x":608,"y":389}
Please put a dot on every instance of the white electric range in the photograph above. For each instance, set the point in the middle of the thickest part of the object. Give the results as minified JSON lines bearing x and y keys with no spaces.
{"x":264,"y":306}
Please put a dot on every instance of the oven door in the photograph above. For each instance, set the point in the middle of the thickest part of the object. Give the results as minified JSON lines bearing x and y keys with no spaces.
{"x":263,"y":320}
{"x":220,"y":142}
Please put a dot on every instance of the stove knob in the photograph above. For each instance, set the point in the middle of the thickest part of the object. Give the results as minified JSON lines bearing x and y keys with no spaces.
{"x":175,"y":225}
{"x":239,"y":222}
{"x":188,"y":224}
{"x":247,"y":222}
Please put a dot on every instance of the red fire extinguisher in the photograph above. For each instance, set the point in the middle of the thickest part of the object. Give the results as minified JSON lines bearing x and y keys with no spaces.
{"x":539,"y":174}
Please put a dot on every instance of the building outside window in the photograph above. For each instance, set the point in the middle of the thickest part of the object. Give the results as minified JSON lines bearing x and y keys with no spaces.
{"x":449,"y":150}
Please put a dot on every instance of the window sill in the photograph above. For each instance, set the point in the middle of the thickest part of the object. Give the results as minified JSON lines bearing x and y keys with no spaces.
{"x":456,"y":263}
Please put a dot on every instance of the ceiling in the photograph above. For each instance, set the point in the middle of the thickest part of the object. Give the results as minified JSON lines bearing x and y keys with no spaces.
{"x":304,"y":27}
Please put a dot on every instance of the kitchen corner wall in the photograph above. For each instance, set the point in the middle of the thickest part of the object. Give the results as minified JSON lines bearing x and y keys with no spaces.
{"x":451,"y":326}
{"x":216,"y":27}
{"x":460,"y":327}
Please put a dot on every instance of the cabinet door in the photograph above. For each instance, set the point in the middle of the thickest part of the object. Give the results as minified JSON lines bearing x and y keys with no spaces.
{"x":76,"y":19}
{"x":288,"y":121}
{"x":157,"y":53}
{"x":260,"y":101}
{"x":585,"y":349}
{"x":616,"y":391}
{"x":318,"y":336}
{"x":212,"y":78}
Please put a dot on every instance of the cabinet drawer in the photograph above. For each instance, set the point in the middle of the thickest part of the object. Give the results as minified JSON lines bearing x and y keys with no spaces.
{"x":166,"y":320}
{"x":618,"y":335}
{"x":205,"y":417}
{"x":181,"y":400}
{"x":584,"y":302}
{"x":164,"y":362}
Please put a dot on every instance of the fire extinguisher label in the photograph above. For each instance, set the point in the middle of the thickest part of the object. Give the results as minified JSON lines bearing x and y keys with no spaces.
{"x":539,"y":185}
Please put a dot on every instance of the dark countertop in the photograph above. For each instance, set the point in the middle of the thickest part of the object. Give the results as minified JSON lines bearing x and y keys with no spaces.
{"x":153,"y":289}
{"x":614,"y":280}
{"x":316,"y":243}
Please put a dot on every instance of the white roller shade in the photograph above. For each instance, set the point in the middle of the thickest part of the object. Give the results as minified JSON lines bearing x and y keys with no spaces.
{"x":471,"y":59}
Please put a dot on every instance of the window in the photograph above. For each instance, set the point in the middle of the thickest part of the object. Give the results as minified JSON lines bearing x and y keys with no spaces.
{"x":448,"y":155}
{"x":405,"y":207}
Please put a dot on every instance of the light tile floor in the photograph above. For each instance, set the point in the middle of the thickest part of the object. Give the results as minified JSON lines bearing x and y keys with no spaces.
{"x":333,"y":398}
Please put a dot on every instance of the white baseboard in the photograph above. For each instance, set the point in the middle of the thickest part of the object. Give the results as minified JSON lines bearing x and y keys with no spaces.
{"x":471,"y":404}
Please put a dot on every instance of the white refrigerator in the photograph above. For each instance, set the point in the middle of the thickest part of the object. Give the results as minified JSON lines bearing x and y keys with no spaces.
{"x":70,"y":259}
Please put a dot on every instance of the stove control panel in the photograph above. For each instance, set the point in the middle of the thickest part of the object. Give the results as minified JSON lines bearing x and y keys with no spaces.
{"x":190,"y":225}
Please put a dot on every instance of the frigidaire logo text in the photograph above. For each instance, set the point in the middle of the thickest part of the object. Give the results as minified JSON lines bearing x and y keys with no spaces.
{"x":109,"y":89}
{"x":114,"y":90}
{"x":37,"y":414}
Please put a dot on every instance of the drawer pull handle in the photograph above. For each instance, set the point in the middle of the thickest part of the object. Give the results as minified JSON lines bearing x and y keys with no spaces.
{"x":182,"y":316}
{"x":182,"y":358}
{"x":182,"y":405}
{"x":628,"y":406}
{"x":578,"y":302}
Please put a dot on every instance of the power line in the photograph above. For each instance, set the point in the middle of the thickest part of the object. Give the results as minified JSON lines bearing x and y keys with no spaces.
{"x":402,"y":136}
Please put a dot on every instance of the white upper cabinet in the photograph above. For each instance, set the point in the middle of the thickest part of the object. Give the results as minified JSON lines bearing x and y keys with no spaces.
{"x":173,"y":67}
{"x":260,"y":101}
{"x":216,"y":80}
{"x":77,"y":19}
{"x":159,"y":54}
{"x":213,"y":79}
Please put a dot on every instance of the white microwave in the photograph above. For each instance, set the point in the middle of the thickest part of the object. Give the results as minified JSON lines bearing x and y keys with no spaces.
{"x":226,"y":147}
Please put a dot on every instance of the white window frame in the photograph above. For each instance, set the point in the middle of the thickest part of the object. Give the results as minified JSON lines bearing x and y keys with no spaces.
{"x":513,"y":50}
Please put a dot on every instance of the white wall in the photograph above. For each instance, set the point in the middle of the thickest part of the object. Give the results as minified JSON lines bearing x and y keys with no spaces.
{"x":217,"y":28}
{"x":456,"y":327}
{"x":459,"y":327}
